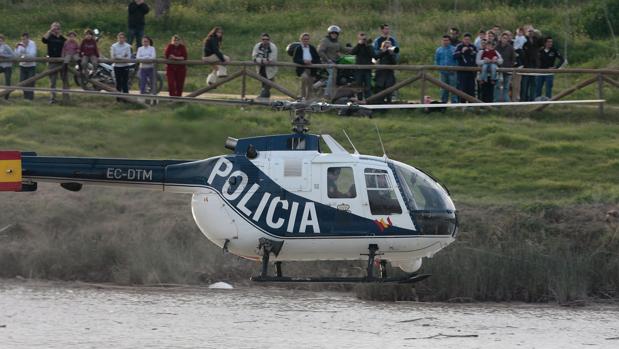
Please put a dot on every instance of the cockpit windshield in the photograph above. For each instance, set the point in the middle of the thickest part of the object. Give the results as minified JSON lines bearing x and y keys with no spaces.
{"x":430,"y":206}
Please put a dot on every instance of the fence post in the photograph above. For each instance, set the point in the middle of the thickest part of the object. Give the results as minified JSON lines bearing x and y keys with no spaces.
{"x":423,"y":87}
{"x":601,"y":94}
{"x":244,"y":83}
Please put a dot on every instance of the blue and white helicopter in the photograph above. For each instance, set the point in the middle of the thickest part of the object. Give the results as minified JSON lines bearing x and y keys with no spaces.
{"x":282,"y":198}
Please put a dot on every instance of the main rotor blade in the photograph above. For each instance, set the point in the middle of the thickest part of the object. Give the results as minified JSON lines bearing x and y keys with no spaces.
{"x":465,"y":105}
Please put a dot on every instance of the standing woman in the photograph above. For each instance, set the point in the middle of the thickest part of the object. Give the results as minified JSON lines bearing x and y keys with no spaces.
{"x":147,"y":70}
{"x":213,"y":54}
{"x":121,"y":50}
{"x":176,"y":73}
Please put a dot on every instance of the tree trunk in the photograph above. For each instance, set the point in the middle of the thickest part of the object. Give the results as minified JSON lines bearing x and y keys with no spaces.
{"x":162,"y":7}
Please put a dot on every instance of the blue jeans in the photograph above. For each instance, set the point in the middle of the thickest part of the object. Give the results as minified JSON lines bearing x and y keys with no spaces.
{"x":527,"y":89}
{"x":363,"y":78}
{"x":328,"y":91}
{"x":503,"y":96}
{"x":539,"y":85}
{"x":450,"y":79}
{"x":147,"y":78}
{"x":488,"y":68}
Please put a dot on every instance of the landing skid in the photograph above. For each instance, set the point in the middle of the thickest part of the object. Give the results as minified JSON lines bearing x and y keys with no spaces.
{"x":342,"y":280}
{"x":269,"y":246}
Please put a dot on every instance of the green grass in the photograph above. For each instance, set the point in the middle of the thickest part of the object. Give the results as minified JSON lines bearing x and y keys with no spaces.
{"x":562,"y":156}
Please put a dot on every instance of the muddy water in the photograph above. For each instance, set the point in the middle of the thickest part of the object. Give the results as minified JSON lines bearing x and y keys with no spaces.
{"x":67,"y":315}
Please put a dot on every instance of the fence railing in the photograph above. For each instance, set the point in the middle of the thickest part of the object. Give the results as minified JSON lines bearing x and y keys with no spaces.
{"x":599,"y":76}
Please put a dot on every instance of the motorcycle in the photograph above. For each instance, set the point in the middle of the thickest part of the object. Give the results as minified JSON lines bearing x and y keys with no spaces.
{"x":104,"y":73}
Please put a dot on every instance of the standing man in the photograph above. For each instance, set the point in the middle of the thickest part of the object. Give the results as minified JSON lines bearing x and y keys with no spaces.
{"x":265,"y":53}
{"x":26,"y":48}
{"x":385,"y":34}
{"x":55,"y":42}
{"x":6,"y":67}
{"x":530,"y":59}
{"x":137,"y":10}
{"x":330,"y":50}
{"x":444,"y":56}
{"x":506,"y":50}
{"x":466,"y":54}
{"x":548,"y":57}
{"x":364,"y":52}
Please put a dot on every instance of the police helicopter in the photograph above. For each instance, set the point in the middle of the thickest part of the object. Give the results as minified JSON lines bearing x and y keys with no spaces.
{"x":282,"y":198}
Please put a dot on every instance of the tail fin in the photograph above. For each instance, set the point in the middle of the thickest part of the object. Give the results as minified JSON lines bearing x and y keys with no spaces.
{"x":10,"y":171}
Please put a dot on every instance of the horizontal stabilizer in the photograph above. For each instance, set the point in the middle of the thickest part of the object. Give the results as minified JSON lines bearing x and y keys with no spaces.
{"x":10,"y":171}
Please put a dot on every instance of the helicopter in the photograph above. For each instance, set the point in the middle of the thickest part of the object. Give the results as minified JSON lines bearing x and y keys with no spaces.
{"x":281,"y":198}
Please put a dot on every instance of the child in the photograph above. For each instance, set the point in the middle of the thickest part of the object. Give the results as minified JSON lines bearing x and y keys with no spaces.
{"x":89,"y":51}
{"x":489,"y":59}
{"x":71,"y":49}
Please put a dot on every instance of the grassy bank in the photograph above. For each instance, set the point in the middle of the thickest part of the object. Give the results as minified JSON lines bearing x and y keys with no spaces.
{"x":533,"y":195}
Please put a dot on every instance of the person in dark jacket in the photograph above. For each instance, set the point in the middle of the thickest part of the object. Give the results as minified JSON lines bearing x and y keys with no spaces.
{"x":466,"y":54}
{"x":306,"y":54}
{"x":549,"y":58}
{"x":364,"y":52}
{"x":530,"y":59}
{"x":506,"y":50}
{"x":55,"y":42}
{"x":385,"y":78}
{"x":213,"y":54}
{"x":137,"y":10}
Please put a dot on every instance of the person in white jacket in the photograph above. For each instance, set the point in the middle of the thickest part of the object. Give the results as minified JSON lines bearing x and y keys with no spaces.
{"x":121,"y":50}
{"x":147,"y":70}
{"x":6,"y":67}
{"x":265,"y":53}
{"x":26,"y":48}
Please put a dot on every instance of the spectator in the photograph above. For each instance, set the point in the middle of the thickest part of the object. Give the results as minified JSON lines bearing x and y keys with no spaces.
{"x":364,"y":53}
{"x":444,"y":56}
{"x":137,"y":10}
{"x":488,"y":59}
{"x":491,"y":37}
{"x":55,"y":42}
{"x":385,"y":34}
{"x":385,"y":78}
{"x":71,"y":49}
{"x":213,"y":54}
{"x":548,"y":57}
{"x":265,"y":53}
{"x":506,"y":50}
{"x":147,"y":70}
{"x":330,"y":50}
{"x":454,"y":34}
{"x":465,"y":54}
{"x":121,"y":50}
{"x":480,"y":36}
{"x":89,"y":52}
{"x":306,"y":54}
{"x":26,"y":48}
{"x":176,"y":73}
{"x":519,"y":41}
{"x":530,"y":59}
{"x":6,"y":67}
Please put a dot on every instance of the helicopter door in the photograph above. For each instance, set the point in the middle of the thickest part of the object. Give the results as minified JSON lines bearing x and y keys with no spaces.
{"x":340,"y":192}
{"x":382,"y":197}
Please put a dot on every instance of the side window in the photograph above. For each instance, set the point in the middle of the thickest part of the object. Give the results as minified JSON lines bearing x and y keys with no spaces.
{"x":341,"y":183}
{"x":381,"y":194}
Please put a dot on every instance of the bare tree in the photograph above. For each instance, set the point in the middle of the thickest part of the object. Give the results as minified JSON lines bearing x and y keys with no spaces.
{"x":162,"y":7}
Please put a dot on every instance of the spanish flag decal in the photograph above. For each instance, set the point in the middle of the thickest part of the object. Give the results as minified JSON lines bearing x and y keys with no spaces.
{"x":10,"y":171}
{"x":383,"y":224}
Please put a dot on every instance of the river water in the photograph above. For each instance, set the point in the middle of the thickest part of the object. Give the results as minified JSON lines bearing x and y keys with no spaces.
{"x":70,"y":315}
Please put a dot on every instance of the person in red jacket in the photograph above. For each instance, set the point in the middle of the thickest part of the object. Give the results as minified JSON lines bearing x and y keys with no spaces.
{"x":89,"y":50}
{"x":176,"y":73}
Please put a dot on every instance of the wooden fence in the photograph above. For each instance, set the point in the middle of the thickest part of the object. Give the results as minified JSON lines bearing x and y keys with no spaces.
{"x":423,"y":75}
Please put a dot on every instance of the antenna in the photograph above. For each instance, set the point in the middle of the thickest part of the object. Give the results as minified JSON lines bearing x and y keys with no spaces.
{"x":349,"y":141}
{"x":381,"y":141}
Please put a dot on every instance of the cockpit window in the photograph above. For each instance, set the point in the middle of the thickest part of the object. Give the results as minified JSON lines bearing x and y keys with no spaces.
{"x":341,"y":183}
{"x":421,"y":191}
{"x":381,"y":195}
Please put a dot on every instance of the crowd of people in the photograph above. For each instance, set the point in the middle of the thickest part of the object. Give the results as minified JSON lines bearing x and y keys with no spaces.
{"x":490,"y":50}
